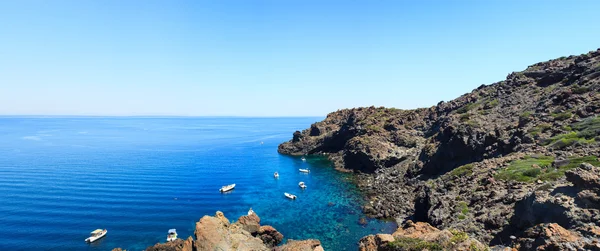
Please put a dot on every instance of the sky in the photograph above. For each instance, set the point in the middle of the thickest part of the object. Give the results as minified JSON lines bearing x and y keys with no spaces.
{"x":271,"y":58}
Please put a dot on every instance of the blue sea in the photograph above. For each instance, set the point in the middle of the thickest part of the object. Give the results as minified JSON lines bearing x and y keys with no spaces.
{"x":62,"y":177}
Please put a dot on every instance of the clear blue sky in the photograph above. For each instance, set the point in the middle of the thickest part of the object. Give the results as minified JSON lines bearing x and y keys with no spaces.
{"x":271,"y":58}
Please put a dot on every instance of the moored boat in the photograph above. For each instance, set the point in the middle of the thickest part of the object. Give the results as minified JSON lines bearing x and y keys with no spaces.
{"x":302,"y":185}
{"x":96,"y":234}
{"x":172,"y":235}
{"x":303,"y":159}
{"x":304,"y":170}
{"x":276,"y":175}
{"x":250,"y":212}
{"x":290,"y":196}
{"x":227,"y":188}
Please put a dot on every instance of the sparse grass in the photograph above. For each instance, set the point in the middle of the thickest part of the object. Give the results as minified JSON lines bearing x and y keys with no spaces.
{"x":535,"y":131}
{"x":463,"y":208}
{"x":458,"y":236}
{"x":583,"y":132}
{"x":523,"y":170}
{"x":464,"y":117}
{"x":562,"y":115}
{"x":580,"y":89}
{"x":526,"y":114}
{"x":465,"y":108}
{"x":413,"y":244}
{"x":492,"y":104}
{"x":464,"y":170}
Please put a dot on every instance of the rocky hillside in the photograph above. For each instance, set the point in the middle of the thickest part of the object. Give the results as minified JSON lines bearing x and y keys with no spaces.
{"x":217,"y":233}
{"x":474,"y":163}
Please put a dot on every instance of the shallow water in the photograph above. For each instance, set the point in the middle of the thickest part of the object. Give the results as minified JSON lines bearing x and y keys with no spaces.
{"x":61,"y":178}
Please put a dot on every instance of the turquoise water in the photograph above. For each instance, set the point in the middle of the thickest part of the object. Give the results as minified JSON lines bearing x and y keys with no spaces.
{"x":61,"y":178}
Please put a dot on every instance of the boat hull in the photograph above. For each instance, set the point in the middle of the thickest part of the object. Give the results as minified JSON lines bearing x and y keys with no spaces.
{"x":95,"y":238}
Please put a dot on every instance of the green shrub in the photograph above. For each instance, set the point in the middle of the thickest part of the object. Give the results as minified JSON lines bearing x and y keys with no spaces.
{"x":580,"y":89}
{"x":523,"y":170}
{"x":458,"y":236}
{"x":413,"y":244}
{"x":562,"y":115}
{"x":526,"y":114}
{"x":584,"y":132}
{"x":464,"y":117}
{"x":492,"y":104}
{"x":465,"y":108}
{"x":464,"y":170}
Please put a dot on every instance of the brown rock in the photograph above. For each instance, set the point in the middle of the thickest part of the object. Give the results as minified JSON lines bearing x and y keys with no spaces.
{"x":305,"y":245}
{"x":250,"y":223}
{"x":374,"y":242}
{"x":550,"y":236}
{"x":270,"y":236}
{"x":176,"y":245}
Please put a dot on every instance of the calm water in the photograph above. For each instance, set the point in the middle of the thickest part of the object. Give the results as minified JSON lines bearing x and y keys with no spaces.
{"x":60,"y":178}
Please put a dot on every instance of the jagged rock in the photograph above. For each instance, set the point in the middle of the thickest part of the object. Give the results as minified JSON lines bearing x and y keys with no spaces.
{"x":250,"y":223}
{"x":441,"y":164}
{"x":305,"y":245}
{"x":270,"y":236}
{"x":551,"y":236}
{"x":217,"y":233}
{"x":585,"y":177}
{"x":374,"y":242}
{"x":176,"y":245}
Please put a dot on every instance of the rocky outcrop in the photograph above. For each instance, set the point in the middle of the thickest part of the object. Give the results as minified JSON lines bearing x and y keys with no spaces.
{"x":419,"y":236}
{"x":217,"y":233}
{"x":176,"y":245}
{"x":305,"y":245}
{"x":492,"y":163}
{"x":554,"y":237}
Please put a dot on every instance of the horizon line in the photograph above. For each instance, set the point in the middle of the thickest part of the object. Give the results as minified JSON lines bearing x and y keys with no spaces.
{"x":159,"y":116}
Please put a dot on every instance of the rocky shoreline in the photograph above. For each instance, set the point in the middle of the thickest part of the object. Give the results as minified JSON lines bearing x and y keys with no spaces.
{"x":502,"y":164}
{"x":246,"y":234}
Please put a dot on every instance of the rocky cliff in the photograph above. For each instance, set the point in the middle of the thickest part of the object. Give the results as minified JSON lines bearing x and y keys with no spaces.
{"x":246,"y":234}
{"x":492,"y":163}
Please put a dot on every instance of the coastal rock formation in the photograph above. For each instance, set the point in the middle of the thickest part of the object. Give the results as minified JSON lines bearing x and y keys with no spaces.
{"x":420,"y":236}
{"x":305,"y":245}
{"x":492,"y":163}
{"x":246,"y":234}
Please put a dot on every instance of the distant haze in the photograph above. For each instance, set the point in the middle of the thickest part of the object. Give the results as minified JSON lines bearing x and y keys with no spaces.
{"x":271,"y":58}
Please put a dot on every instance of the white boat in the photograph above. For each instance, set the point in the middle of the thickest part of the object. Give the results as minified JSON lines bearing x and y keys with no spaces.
{"x":302,"y":185}
{"x":250,"y":212}
{"x":276,"y":175}
{"x":172,"y":235}
{"x":227,"y":188}
{"x":96,"y":234}
{"x":304,"y":170}
{"x":290,"y":196}
{"x":303,"y":159}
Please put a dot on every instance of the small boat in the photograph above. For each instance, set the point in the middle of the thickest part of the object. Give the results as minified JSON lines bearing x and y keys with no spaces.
{"x":227,"y":188}
{"x":96,"y":234}
{"x":250,"y":212}
{"x":304,"y":170}
{"x":262,"y":142}
{"x":303,"y":159}
{"x":302,"y":185}
{"x":290,"y":196}
{"x":172,"y":235}
{"x":276,"y":175}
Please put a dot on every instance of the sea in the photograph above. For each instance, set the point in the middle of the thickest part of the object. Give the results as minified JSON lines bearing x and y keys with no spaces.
{"x":138,"y":177}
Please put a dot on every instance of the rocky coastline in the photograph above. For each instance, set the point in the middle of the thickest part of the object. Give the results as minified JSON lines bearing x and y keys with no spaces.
{"x":511,"y":164}
{"x":246,"y":234}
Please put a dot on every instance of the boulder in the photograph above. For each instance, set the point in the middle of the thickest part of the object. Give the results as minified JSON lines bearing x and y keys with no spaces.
{"x":250,"y":223}
{"x":305,"y":245}
{"x":270,"y":236}
{"x":551,"y":236}
{"x":176,"y":245}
